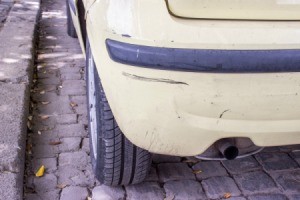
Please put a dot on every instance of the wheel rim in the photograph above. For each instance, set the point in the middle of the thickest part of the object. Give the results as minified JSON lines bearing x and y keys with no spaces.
{"x":92,"y":104}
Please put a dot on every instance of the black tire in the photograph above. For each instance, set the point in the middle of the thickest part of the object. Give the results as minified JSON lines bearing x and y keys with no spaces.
{"x":70,"y":26}
{"x":118,"y":161}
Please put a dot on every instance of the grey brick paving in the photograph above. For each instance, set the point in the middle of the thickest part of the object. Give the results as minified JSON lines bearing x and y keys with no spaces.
{"x":108,"y":193}
{"x":74,"y":193}
{"x":217,"y":187}
{"x":276,"y":161}
{"x":60,"y":142}
{"x":268,"y":197}
{"x":178,"y":190}
{"x":209,"y":169}
{"x":146,"y":190}
{"x":241,"y":165}
{"x":174,"y":171}
{"x":256,"y":182}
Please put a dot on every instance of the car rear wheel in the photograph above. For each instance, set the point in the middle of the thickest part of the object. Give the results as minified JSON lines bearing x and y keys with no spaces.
{"x":70,"y":26}
{"x":115,"y":160}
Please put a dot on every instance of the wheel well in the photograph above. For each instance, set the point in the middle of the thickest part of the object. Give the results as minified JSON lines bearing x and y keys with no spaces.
{"x":82,"y":21}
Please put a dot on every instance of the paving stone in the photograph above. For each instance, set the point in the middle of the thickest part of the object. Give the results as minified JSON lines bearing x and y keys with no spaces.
{"x":145,"y":190}
{"x":104,"y":192}
{"x":217,"y":187}
{"x":289,"y":148}
{"x":81,"y":109}
{"x":79,"y":99}
{"x":209,"y":169}
{"x":185,"y":189}
{"x":174,"y":171}
{"x":52,"y":195}
{"x":242,"y":165}
{"x":295,"y":197}
{"x":152,"y":176}
{"x":82,"y":119}
{"x":71,"y":130}
{"x":50,"y":80}
{"x":74,"y":193}
{"x":288,"y":180}
{"x":255,"y":182}
{"x":49,"y":163}
{"x":77,"y":159}
{"x":157,"y":158}
{"x":86,"y":145}
{"x":71,"y":76}
{"x":236,"y":198}
{"x":276,"y":161}
{"x":70,"y":175}
{"x":46,"y":183}
{"x":45,"y":137}
{"x":71,"y":87}
{"x":61,"y":105}
{"x":67,"y":119}
{"x":268,"y":197}
{"x":296,"y":156}
{"x":69,"y":144}
{"x":89,"y":173}
{"x":45,"y":151}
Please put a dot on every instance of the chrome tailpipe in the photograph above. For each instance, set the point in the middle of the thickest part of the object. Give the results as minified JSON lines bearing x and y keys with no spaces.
{"x":228,"y":149}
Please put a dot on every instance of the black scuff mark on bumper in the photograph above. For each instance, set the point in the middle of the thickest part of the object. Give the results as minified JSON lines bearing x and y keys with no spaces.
{"x":161,"y":80}
{"x":221,"y":115}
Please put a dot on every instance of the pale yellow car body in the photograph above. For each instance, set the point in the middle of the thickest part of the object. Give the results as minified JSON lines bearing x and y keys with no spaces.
{"x":185,"y":119}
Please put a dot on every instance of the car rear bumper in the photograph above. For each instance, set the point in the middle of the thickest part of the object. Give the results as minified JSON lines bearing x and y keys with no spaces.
{"x":183,"y":113}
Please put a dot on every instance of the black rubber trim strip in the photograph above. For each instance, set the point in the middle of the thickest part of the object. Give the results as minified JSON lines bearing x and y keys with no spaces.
{"x":200,"y":60}
{"x":72,"y":6}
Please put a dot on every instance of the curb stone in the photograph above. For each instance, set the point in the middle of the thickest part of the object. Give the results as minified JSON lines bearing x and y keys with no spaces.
{"x":17,"y":46}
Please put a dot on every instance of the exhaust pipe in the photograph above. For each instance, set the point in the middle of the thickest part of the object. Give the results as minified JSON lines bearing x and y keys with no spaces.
{"x":228,"y":149}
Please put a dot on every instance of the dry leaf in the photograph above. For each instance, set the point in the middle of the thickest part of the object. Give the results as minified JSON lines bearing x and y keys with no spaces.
{"x":30,"y":118}
{"x":197,"y":171}
{"x":45,"y":102}
{"x":40,"y":172}
{"x":55,"y":143}
{"x":72,"y":104}
{"x":227,"y":195}
{"x":43,"y":117}
{"x":61,"y":186}
{"x":42,"y":92}
{"x":29,"y":125}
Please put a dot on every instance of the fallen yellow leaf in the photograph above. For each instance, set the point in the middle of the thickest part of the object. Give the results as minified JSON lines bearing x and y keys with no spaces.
{"x":40,"y":172}
{"x":55,"y":143}
{"x":45,"y":102}
{"x":29,"y":125}
{"x":227,"y":195}
{"x":44,"y":116}
{"x":197,"y":171}
{"x":72,"y":104}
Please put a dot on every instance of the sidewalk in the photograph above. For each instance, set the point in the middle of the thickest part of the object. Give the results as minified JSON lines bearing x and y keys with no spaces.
{"x":17,"y":35}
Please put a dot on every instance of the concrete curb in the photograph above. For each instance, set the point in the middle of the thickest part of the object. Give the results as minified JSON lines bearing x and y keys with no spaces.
{"x":17,"y":44}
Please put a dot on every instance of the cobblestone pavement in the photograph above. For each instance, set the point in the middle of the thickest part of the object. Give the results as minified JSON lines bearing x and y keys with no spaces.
{"x":58,"y":140}
{"x":5,"y":6}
